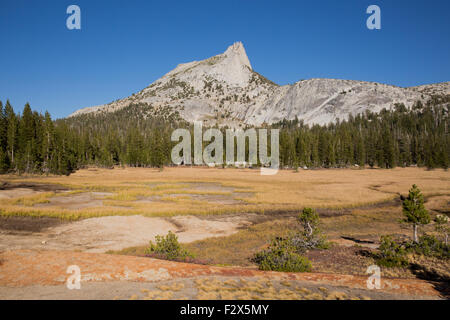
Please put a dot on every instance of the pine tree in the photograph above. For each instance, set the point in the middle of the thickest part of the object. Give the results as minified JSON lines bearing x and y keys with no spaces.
{"x":414,"y":210}
{"x":135,"y":150}
{"x":3,"y":141}
{"x":360,"y":152}
{"x":12,"y":128}
{"x":3,"y":128}
{"x":388,"y":151}
{"x":48,"y":143}
{"x":26,"y":139}
{"x":157,"y":158}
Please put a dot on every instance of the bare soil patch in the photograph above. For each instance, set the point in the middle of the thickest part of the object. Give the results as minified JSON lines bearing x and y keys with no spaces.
{"x":209,"y":186}
{"x":341,"y":259}
{"x":17,"y":192}
{"x":110,"y":233}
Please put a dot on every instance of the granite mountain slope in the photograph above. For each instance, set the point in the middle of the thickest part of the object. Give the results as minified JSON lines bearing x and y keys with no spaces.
{"x":225,"y":90}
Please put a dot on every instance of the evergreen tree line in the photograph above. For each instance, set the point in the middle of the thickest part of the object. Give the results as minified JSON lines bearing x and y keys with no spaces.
{"x":391,"y":138}
{"x":139,"y":136}
{"x":34,"y":143}
{"x":31,"y":142}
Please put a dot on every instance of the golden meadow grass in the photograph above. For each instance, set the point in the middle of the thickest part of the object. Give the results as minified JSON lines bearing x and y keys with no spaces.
{"x":170,"y":191}
{"x":31,"y":200}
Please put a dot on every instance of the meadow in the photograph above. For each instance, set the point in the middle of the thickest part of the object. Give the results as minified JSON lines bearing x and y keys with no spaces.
{"x":223,"y":216}
{"x":95,"y":192}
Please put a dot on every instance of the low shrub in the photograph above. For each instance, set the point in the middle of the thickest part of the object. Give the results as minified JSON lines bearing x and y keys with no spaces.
{"x":430,"y":246}
{"x":395,"y":254}
{"x":442,"y":227}
{"x":281,"y":256}
{"x":392,"y":253}
{"x":167,"y":247}
{"x":286,"y":254}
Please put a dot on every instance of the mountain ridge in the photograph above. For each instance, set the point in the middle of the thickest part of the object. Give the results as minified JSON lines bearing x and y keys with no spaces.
{"x":225,"y":90}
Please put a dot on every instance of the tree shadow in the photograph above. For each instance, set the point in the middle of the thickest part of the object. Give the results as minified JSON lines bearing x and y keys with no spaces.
{"x":440,"y":282}
{"x":357,"y":240}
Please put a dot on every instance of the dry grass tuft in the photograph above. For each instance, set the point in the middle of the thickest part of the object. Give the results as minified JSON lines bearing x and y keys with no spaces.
{"x":262,"y":289}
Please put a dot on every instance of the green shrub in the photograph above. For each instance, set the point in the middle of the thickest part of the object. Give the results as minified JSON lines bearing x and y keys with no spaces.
{"x":430,"y":246}
{"x":286,"y":254}
{"x":392,"y":254}
{"x":442,"y":227}
{"x":281,"y":256}
{"x":167,"y":247}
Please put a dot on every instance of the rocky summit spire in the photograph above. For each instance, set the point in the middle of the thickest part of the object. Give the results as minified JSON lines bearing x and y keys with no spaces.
{"x":237,"y":51}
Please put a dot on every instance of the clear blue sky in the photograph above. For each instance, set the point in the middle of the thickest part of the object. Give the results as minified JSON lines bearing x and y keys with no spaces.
{"x":123,"y":46}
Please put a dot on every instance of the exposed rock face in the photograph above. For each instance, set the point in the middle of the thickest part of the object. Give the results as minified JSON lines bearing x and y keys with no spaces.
{"x":225,"y":90}
{"x":436,"y":88}
{"x":326,"y":100}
